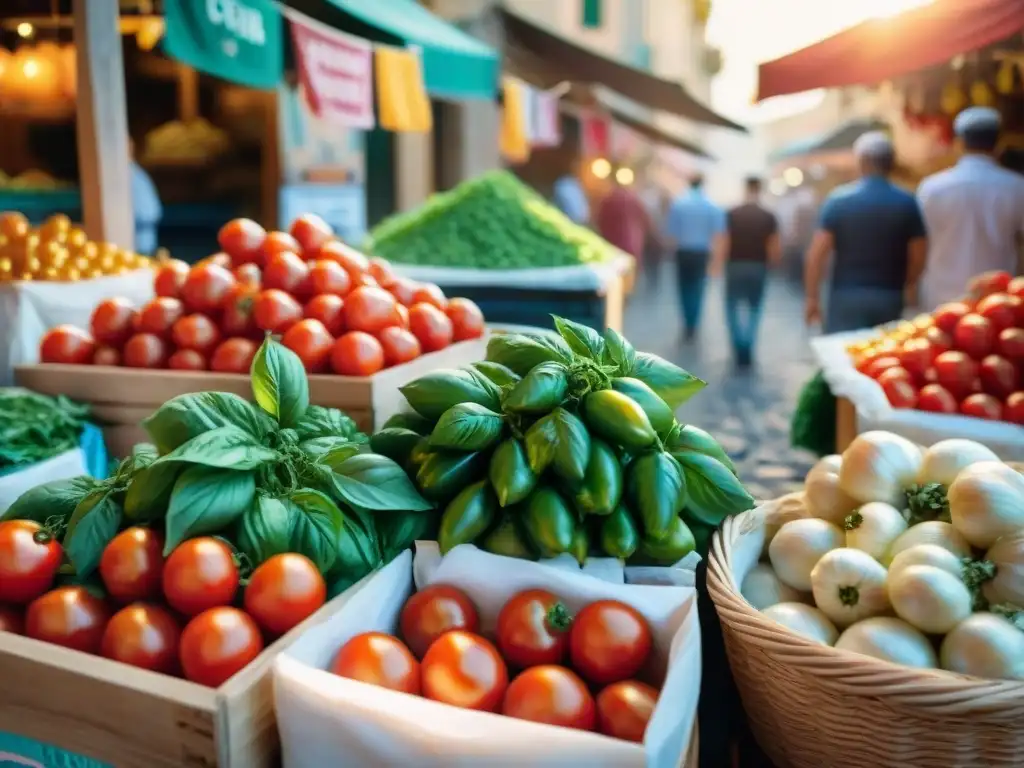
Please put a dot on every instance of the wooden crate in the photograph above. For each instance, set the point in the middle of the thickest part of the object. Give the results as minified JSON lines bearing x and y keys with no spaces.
{"x":122,"y":397}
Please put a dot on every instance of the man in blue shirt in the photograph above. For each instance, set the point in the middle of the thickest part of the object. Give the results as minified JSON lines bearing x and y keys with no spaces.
{"x":877,"y":234}
{"x":571,"y":199}
{"x":146,"y":206}
{"x":695,"y":226}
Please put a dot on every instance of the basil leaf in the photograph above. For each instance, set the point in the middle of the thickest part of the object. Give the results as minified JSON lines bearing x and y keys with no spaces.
{"x":401,"y":530}
{"x":91,"y":527}
{"x":227,"y":447}
{"x":318,"y":421}
{"x":279,"y":383}
{"x":540,"y":441}
{"x":714,"y":492}
{"x":358,"y":550}
{"x":376,"y":483}
{"x":395,"y":442}
{"x":431,"y":395}
{"x":572,"y":446}
{"x":144,"y":454}
{"x":496,"y":372}
{"x":187,"y":416}
{"x":318,"y":524}
{"x":206,"y":500}
{"x":266,"y":529}
{"x":582,"y":339}
{"x":55,"y":499}
{"x":690,"y":438}
{"x":657,"y":489}
{"x":150,"y":491}
{"x":520,"y":352}
{"x":339,"y":448}
{"x":411,"y":421}
{"x":467,"y":427}
{"x":619,"y":352}
{"x":672,"y":383}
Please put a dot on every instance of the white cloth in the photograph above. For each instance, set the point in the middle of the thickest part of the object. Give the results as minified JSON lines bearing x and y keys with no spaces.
{"x":973,"y":213}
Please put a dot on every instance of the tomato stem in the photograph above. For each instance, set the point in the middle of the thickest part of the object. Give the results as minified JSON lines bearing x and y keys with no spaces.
{"x":849,"y":596}
{"x":559,"y":618}
{"x":854,"y":521}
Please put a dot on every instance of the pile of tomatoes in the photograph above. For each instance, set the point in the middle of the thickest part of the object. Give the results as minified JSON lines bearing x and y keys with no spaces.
{"x":575,"y":672}
{"x":338,"y":310}
{"x":965,"y":357}
{"x":177,"y":614}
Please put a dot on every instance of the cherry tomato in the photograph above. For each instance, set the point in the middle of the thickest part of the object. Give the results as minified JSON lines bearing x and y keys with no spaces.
{"x":609,"y":641}
{"x":275,"y":311}
{"x":207,"y":287}
{"x":975,"y":335}
{"x":404,"y":290}
{"x":132,"y":565}
{"x":464,"y":670}
{"x":310,"y":232}
{"x":311,"y":342}
{"x":169,"y":279}
{"x":378,"y":659}
{"x":158,"y":315}
{"x":381,"y":271}
{"x":249,"y":275}
{"x":431,"y":612}
{"x":69,"y":617}
{"x":106,"y":356}
{"x":533,"y":629}
{"x":144,"y":350}
{"x":283,"y":592}
{"x":196,"y":332}
{"x":234,"y":356}
{"x":399,"y":346}
{"x":286,"y":272}
{"x":948,"y":315}
{"x":326,"y":277}
{"x":936,"y":399}
{"x":370,"y":309}
{"x":553,"y":695}
{"x":187,"y":360}
{"x":403,"y":314}
{"x":327,"y":308}
{"x":241,"y":239}
{"x":350,"y":259}
{"x":275,"y":243}
{"x":956,"y":372}
{"x":1011,"y":344}
{"x":66,"y":344}
{"x":11,"y":620}
{"x":1016,"y":287}
{"x":917,"y":356}
{"x":982,"y":406}
{"x":112,"y":321}
{"x":939,"y":339}
{"x":431,"y":326}
{"x":357,"y":354}
{"x":467,"y":319}
{"x":875,"y":368}
{"x":990,"y":282}
{"x":143,"y":636}
{"x":237,"y":318}
{"x":200,"y":574}
{"x":428,"y":293}
{"x":900,"y":392}
{"x":999,"y":376}
{"x":217,"y":644}
{"x":1014,"y":410}
{"x":29,"y":559}
{"x":1000,"y":309}
{"x":625,"y":708}
{"x":220,"y":259}
{"x":895,"y":374}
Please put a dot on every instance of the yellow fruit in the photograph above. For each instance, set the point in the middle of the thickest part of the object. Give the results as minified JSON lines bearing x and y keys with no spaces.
{"x":14,"y":224}
{"x":77,"y":237}
{"x":70,"y":274}
{"x":6,"y":265}
{"x":90,"y":250}
{"x":106,"y":263}
{"x":94,"y":273}
{"x":33,"y":265}
{"x":81,"y":264}
{"x":51,"y":273}
{"x":25,"y":276}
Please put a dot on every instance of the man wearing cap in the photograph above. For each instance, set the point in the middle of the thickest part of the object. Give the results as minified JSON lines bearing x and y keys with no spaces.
{"x":974,"y":211}
{"x":876,"y":233}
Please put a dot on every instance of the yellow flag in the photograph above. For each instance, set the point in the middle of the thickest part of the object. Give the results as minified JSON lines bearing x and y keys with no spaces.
{"x":514,"y":140}
{"x":402,"y":101}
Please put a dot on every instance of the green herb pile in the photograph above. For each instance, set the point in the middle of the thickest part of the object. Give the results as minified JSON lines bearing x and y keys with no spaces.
{"x":565,"y":443}
{"x":278,"y":475}
{"x":35,"y":427}
{"x":491,"y":222}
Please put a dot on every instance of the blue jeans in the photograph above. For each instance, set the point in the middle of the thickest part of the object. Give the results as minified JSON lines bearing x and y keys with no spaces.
{"x":744,"y":285}
{"x":850,"y":309}
{"x":691,"y":272}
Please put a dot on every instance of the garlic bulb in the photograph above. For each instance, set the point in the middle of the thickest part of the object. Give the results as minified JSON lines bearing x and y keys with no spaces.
{"x":986,"y":501}
{"x":926,"y":554}
{"x":825,"y":499}
{"x":930,"y":532}
{"x":1007,"y":557}
{"x":849,"y":585}
{"x":798,"y":546}
{"x":929,"y":598}
{"x":873,"y":528}
{"x":879,"y":466}
{"x":805,"y":620}
{"x":984,"y":645}
{"x":889,"y":639}
{"x":762,"y":588}
{"x":944,"y":460}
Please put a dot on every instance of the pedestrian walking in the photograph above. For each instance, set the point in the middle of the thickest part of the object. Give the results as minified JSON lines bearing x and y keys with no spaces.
{"x":570,"y":198}
{"x":622,"y":219}
{"x":752,"y":247}
{"x":974,"y":211}
{"x":696,"y":227}
{"x":146,"y":206}
{"x":877,"y":235}
{"x":649,"y":268}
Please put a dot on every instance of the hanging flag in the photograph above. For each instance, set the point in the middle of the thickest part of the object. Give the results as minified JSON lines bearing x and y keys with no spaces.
{"x":547,"y":120}
{"x":595,"y":129}
{"x":514,"y":140}
{"x":335,"y":71}
{"x":402,"y":101}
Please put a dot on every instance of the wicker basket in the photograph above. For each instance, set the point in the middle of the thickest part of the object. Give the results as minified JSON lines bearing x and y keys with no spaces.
{"x":812,"y":706}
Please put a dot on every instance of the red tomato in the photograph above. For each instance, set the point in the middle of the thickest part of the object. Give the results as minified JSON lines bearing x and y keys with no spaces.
{"x":67,"y":344}
{"x":311,"y":342}
{"x":310,"y":232}
{"x":200,"y":574}
{"x":241,"y":239}
{"x":982,"y":406}
{"x":948,"y":315}
{"x":896,"y":374}
{"x":357,"y":354}
{"x":350,"y":259}
{"x":143,"y":636}
{"x":431,"y":612}
{"x":1011,"y":344}
{"x":624,"y":709}
{"x":187,"y":360}
{"x":234,"y":356}
{"x":286,"y":272}
{"x":132,"y":565}
{"x":370,"y":309}
{"x":1016,"y":287}
{"x":428,"y":293}
{"x":900,"y":392}
{"x":327,"y":308}
{"x":144,"y":350}
{"x":404,"y":290}
{"x":207,"y":287}
{"x":277,"y":242}
{"x":875,"y":368}
{"x":975,"y":335}
{"x":986,"y":283}
{"x":940,"y":340}
{"x":106,"y":356}
{"x":431,"y":326}
{"x":999,"y":376}
{"x":365,"y":279}
{"x":217,"y":644}
{"x":378,"y":659}
{"x":283,"y":592}
{"x":112,"y":322}
{"x":381,"y":271}
{"x":936,"y":399}
{"x":1014,"y":411}
{"x":467,"y":319}
{"x":403,"y":313}
{"x":917,"y":356}
{"x":533,"y":629}
{"x":609,"y":641}
{"x":68,"y":616}
{"x":169,"y":278}
{"x":249,"y":275}
{"x":464,"y":670}
{"x":553,"y":695}
{"x":956,"y":372}
{"x":326,"y":276}
{"x":237,"y":318}
{"x":275,"y":311}
{"x":1000,"y":309}
{"x":196,"y":332}
{"x":11,"y":620}
{"x":158,"y":315}
{"x":399,"y":346}
{"x":29,"y":559}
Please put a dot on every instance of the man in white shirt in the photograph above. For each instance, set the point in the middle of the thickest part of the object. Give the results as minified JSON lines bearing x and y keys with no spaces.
{"x":974,"y":212}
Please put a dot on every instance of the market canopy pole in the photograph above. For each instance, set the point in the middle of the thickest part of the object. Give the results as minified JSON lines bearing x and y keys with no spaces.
{"x":102,"y":124}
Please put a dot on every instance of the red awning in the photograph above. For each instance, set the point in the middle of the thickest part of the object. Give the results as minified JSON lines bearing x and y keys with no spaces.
{"x":881,"y":49}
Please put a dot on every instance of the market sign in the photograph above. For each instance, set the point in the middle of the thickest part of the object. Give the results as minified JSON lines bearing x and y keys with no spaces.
{"x":235,"y":40}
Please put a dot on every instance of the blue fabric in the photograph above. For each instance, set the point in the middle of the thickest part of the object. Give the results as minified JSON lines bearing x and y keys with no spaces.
{"x":95,"y":450}
{"x":872,"y":221}
{"x":147,"y":209}
{"x":851,"y":309}
{"x":571,"y":199}
{"x":693,"y":221}
{"x":45,"y":755}
{"x":691,"y":272}
{"x":744,"y":285}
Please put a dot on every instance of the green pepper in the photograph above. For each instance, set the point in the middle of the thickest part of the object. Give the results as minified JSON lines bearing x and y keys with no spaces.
{"x":510,"y":473}
{"x":549,"y":521}
{"x":467,"y":516}
{"x":509,"y":539}
{"x":601,"y":489}
{"x":541,"y":390}
{"x":656,"y":488}
{"x":676,"y":545}
{"x":443,"y":474}
{"x":619,"y":536}
{"x":657,"y":410}
{"x":580,"y":546}
{"x":618,"y":419}
{"x":395,"y":442}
